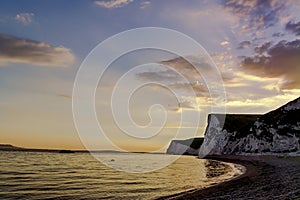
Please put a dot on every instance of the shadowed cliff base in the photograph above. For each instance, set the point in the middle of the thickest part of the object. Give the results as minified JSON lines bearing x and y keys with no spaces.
{"x":267,"y":177}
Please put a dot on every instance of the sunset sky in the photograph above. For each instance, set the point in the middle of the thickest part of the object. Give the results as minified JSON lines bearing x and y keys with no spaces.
{"x":255,"y":45}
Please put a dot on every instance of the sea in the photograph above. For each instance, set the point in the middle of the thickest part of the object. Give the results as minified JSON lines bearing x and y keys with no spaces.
{"x":50,"y":175}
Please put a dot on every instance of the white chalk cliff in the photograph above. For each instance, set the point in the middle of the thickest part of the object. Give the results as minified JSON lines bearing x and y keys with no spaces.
{"x":277,"y":132}
{"x":188,"y":146}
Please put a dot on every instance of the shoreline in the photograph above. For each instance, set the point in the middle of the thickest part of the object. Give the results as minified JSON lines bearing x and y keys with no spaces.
{"x":266,"y":177}
{"x":237,"y":170}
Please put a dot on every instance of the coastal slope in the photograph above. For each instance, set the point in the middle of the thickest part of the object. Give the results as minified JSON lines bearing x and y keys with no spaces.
{"x":275,"y":133}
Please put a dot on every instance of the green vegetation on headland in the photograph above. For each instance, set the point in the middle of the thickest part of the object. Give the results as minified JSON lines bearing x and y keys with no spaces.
{"x":240,"y":123}
{"x":194,"y":143}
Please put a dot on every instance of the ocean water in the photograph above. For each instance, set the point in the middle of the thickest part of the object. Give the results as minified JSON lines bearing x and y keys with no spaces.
{"x":45,"y":175}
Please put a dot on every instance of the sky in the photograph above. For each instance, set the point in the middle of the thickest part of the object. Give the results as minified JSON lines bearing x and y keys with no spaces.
{"x":254,"y":44}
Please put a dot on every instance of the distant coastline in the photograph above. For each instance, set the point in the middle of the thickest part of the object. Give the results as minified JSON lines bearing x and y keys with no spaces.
{"x":9,"y":147}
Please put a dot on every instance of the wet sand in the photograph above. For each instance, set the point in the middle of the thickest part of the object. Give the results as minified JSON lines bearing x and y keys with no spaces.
{"x":266,"y":177}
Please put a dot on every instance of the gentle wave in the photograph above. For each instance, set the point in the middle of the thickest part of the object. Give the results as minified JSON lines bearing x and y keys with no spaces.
{"x":35,"y":175}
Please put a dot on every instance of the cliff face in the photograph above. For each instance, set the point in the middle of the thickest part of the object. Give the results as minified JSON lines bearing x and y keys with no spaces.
{"x":187,"y":147}
{"x":273,"y":133}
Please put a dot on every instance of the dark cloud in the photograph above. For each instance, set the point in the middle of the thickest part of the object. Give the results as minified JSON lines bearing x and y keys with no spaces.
{"x":181,"y":68}
{"x":244,"y":45}
{"x":174,"y":81}
{"x":263,"y":48}
{"x":163,"y":75}
{"x":257,"y":13}
{"x":227,"y":77}
{"x":20,"y":50}
{"x":183,"y":77}
{"x":187,"y":69}
{"x":293,"y":27}
{"x":280,"y":60}
{"x":278,"y":34}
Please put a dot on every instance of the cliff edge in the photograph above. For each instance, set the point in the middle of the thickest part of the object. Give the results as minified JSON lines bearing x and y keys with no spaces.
{"x":185,"y":147}
{"x":277,"y":132}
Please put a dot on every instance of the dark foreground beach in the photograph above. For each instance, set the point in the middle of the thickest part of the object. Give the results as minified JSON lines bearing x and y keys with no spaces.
{"x":266,"y":177}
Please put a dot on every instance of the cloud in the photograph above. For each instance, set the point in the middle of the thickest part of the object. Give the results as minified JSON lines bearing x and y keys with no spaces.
{"x":200,"y":89}
{"x":256,"y":14}
{"x":184,"y":104}
{"x":247,"y":86}
{"x":145,"y":4}
{"x":163,"y":75}
{"x":244,"y":45}
{"x":201,"y":20}
{"x":263,"y":48}
{"x":25,"y":18}
{"x":261,"y":105}
{"x":225,"y":42}
{"x":278,"y":34}
{"x":193,"y":86}
{"x":293,"y":27}
{"x":113,"y":3}
{"x":188,"y":70}
{"x":65,"y":96}
{"x":174,"y":79}
{"x":19,"y":50}
{"x":279,"y":60}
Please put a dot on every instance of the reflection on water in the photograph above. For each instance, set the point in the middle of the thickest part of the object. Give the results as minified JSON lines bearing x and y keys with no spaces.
{"x":36,"y":175}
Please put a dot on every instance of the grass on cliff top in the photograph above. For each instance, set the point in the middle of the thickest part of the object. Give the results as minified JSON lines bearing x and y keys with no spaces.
{"x":194,"y":143}
{"x":238,"y":122}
